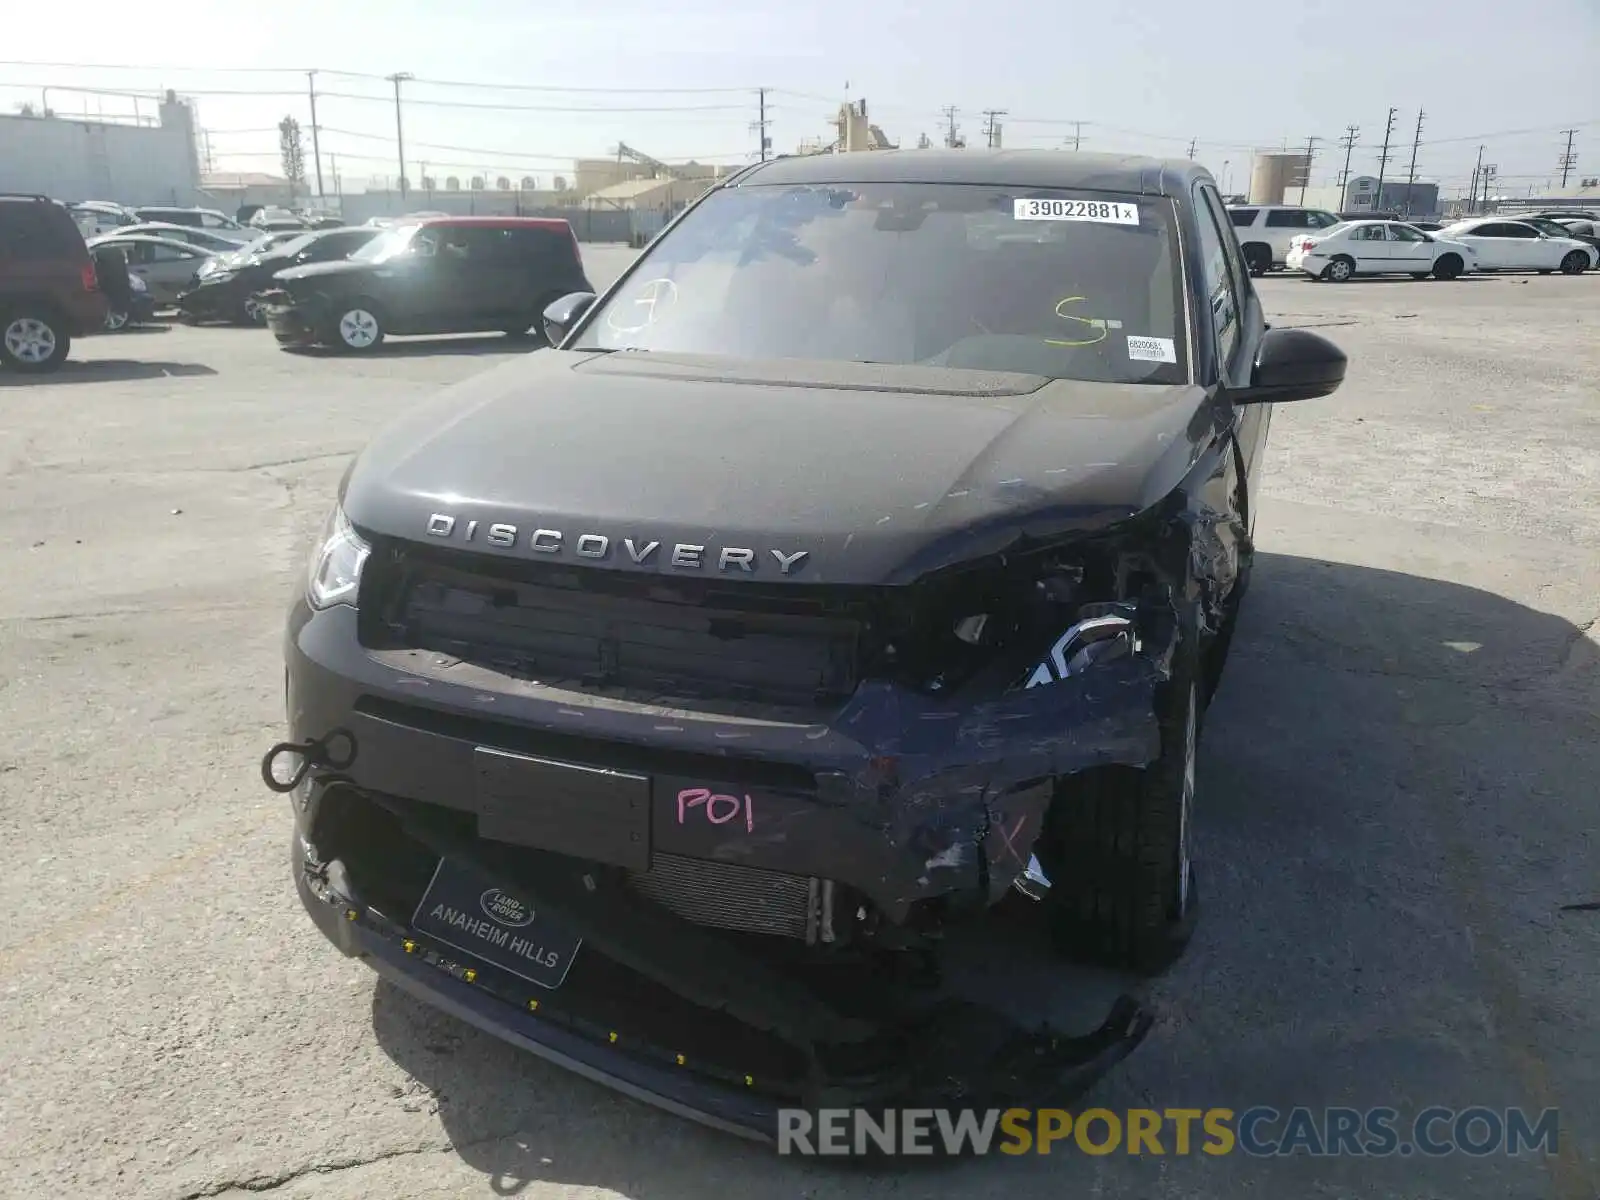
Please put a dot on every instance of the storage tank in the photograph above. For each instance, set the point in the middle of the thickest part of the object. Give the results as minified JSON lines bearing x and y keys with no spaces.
{"x":1274,"y":173}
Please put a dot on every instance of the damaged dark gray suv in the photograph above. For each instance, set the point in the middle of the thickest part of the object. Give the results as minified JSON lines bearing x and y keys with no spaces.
{"x":864,"y":558}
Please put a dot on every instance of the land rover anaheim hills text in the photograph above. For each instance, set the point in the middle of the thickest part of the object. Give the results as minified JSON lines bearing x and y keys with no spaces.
{"x":682,"y":555}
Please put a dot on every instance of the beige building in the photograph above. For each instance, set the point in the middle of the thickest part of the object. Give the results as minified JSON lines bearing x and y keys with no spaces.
{"x":1275,"y":172}
{"x":853,"y":131}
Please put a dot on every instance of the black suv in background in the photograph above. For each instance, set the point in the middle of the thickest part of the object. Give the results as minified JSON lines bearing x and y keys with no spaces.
{"x":228,"y":287}
{"x":49,"y":292}
{"x":437,"y":275}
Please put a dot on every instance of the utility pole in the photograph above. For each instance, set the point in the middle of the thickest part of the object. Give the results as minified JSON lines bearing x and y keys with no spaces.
{"x":761,"y":123}
{"x":1383,"y":161}
{"x":316,"y":141}
{"x":991,"y":127}
{"x":950,"y":111}
{"x":1077,"y":134}
{"x":1311,"y":152}
{"x":1489,"y":172}
{"x":397,"y":79}
{"x":1348,"y":141}
{"x":1411,"y":177}
{"x":1568,"y":158}
{"x":1192,"y":142}
{"x":1472,"y":201}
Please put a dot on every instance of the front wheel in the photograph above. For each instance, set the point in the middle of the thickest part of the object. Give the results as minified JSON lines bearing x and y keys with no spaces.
{"x":1419,"y":274}
{"x":358,"y":328}
{"x":1448,"y":267}
{"x":1575,"y":263}
{"x":1118,"y":845}
{"x":32,"y":341}
{"x":252,"y":311}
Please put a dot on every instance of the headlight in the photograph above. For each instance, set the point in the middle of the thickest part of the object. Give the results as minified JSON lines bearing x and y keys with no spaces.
{"x":334,"y":573}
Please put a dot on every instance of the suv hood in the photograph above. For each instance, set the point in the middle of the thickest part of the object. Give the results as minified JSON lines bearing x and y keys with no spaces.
{"x":877,"y":474}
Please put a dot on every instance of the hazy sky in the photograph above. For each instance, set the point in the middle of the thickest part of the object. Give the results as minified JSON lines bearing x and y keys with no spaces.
{"x":1145,"y":77}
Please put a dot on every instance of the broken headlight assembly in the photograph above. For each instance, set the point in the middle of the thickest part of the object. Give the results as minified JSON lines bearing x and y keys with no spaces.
{"x":1025,"y":622}
{"x":334,"y":573}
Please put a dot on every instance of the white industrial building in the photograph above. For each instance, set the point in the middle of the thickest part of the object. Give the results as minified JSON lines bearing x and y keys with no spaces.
{"x":74,"y":158}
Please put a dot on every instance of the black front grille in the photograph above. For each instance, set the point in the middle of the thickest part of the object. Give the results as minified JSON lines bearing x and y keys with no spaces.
{"x":636,"y":633}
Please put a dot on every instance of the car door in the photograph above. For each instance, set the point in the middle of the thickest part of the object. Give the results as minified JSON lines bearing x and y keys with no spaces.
{"x":1235,"y":326}
{"x":1497,"y":245}
{"x":170,"y":270}
{"x":1526,"y":249}
{"x":1409,"y":249}
{"x":501,"y":295}
{"x":1369,"y":246}
{"x":419,"y":289}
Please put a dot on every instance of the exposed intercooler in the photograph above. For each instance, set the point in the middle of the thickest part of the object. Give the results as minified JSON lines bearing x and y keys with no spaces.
{"x":747,"y":899}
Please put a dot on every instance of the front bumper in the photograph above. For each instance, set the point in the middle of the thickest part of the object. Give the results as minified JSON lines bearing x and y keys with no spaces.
{"x":213,"y":300}
{"x":293,"y":324}
{"x":962,"y":1055}
{"x":900,"y":796}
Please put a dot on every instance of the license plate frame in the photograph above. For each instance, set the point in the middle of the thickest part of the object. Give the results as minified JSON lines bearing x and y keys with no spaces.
{"x":459,"y":909}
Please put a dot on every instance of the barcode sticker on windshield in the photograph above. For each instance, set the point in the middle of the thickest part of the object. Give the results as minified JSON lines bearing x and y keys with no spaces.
{"x":1151,"y":349}
{"x":1107,"y":211}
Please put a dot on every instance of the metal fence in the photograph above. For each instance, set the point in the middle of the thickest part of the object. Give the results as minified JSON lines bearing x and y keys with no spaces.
{"x":591,"y":225}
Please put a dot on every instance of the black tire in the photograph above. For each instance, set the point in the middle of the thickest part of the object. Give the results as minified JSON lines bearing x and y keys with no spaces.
{"x":1258,"y":258}
{"x":1575,"y":263}
{"x":1419,"y":274}
{"x":356,"y":327}
{"x":1341,"y":270}
{"x":1448,"y":267}
{"x":1117,"y":845}
{"x":1546,"y":272}
{"x":32,"y":340}
{"x":250,"y":312}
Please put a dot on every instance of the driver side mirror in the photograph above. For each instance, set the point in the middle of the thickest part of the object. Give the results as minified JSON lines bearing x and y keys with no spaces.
{"x":1293,"y":364}
{"x":563,"y":314}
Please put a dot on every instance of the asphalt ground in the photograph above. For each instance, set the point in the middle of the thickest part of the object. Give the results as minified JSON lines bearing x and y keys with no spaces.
{"x":1397,"y":796}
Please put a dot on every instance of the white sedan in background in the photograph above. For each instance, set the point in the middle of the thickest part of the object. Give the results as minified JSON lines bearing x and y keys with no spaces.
{"x":1380,"y":248}
{"x":1507,"y":245}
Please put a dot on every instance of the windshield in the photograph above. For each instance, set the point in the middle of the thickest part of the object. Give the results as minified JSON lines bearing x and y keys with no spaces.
{"x":1069,"y":285}
{"x":387,"y":244}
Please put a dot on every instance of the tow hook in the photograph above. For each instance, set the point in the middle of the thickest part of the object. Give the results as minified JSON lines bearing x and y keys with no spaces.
{"x":335,"y":752}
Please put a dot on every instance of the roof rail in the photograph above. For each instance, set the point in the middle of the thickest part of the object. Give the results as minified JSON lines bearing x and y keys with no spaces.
{"x":22,"y":196}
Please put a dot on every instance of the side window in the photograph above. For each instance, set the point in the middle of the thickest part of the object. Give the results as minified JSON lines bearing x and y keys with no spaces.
{"x":166,"y":254}
{"x":1323,"y":220}
{"x":1404,"y":233}
{"x":488,"y":245}
{"x":1287,"y":218}
{"x":1221,"y":296}
{"x":1493,"y":229}
{"x":1243,"y":218}
{"x":1238,"y":269}
{"x":1520,"y":231}
{"x":1368,"y":233}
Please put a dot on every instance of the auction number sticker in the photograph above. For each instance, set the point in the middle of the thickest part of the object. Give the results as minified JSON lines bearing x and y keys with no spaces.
{"x":1109,"y":212}
{"x":1152,"y":349}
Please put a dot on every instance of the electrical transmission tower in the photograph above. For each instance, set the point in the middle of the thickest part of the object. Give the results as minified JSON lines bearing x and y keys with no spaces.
{"x":952,"y":137}
{"x":1383,"y":160}
{"x":991,"y":127}
{"x":1311,"y":151}
{"x":1411,"y":175}
{"x":1348,"y":141}
{"x":1568,"y":158}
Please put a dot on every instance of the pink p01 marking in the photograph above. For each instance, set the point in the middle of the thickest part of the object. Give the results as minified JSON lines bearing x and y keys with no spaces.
{"x":719,"y":808}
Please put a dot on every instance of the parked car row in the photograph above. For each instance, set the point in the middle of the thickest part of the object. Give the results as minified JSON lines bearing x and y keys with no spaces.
{"x":1351,"y":248}
{"x":1340,"y":246}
